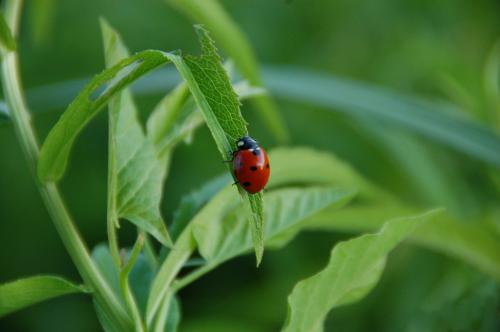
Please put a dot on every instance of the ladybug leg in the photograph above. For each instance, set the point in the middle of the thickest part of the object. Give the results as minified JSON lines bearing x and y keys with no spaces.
{"x":236,"y":182}
{"x":230,"y":160}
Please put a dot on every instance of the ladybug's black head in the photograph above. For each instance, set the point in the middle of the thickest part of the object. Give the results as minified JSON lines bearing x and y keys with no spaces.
{"x":246,"y":143}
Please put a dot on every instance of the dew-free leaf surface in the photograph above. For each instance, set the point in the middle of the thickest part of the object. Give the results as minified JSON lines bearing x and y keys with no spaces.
{"x":22,"y":293}
{"x":354,"y":268}
{"x":223,"y":233}
{"x":135,"y":174}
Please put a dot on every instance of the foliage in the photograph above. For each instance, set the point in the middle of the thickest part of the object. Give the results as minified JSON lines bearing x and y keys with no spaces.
{"x":386,"y":157}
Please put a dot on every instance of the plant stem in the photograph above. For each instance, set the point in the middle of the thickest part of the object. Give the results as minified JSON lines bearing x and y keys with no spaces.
{"x":181,"y":283}
{"x":67,"y":231}
{"x":125,"y":287}
{"x":161,"y":318}
{"x":182,"y":250}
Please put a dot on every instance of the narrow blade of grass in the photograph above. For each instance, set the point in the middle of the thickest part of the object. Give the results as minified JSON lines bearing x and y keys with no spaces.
{"x":434,"y":121}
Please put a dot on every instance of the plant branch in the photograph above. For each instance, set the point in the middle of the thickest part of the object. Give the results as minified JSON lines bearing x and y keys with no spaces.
{"x":125,"y":287}
{"x":62,"y":221}
{"x":180,"y":253}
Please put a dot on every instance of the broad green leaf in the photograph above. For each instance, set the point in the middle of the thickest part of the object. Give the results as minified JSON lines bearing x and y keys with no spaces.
{"x":56,"y":148}
{"x":311,"y":166}
{"x":191,"y":203}
{"x":220,"y":107}
{"x":104,"y":261}
{"x":472,"y":242}
{"x":235,"y":44}
{"x":140,"y":280}
{"x":222,"y":232}
{"x":135,"y":174}
{"x":211,"y":90}
{"x":22,"y":293}
{"x":354,"y":268}
{"x":7,"y":42}
{"x":212,"y":79}
{"x":175,"y":119}
{"x":437,"y":121}
{"x":164,"y":116}
{"x":219,"y":208}
{"x":140,"y":277}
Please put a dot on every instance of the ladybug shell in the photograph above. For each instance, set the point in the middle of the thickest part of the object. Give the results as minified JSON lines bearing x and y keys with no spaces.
{"x":251,"y":168}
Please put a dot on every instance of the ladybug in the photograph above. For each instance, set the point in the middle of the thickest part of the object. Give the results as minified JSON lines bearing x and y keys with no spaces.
{"x":251,"y":165}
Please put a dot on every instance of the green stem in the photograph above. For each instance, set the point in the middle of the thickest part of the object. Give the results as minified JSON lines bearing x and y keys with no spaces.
{"x":150,"y":251}
{"x":125,"y":287}
{"x":161,"y":318}
{"x":62,"y":221}
{"x":183,"y":282}
{"x":180,"y":253}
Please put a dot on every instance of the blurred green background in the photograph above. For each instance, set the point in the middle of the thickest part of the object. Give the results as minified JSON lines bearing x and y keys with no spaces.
{"x":434,"y":49}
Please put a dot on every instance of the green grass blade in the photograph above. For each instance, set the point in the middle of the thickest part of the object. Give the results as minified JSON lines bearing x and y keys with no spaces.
{"x":354,"y":268}
{"x":227,"y":33}
{"x":135,"y":175}
{"x":22,"y":293}
{"x":56,"y":148}
{"x":434,"y":121}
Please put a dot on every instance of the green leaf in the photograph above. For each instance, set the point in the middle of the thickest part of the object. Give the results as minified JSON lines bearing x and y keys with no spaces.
{"x":176,"y":118}
{"x":472,"y":242}
{"x":191,"y":203}
{"x":234,"y":43}
{"x":436,"y":121}
{"x":222,"y":232}
{"x":140,"y":278}
{"x":135,"y":174}
{"x":56,"y":148}
{"x":163,"y":118}
{"x":354,"y":268}
{"x":311,"y":166}
{"x":211,"y":90}
{"x":22,"y":293}
{"x":215,"y":85}
{"x":104,"y":261}
{"x":7,"y":42}
{"x":220,"y":107}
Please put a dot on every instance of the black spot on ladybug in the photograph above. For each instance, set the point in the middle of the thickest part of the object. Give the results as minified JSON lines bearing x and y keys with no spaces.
{"x":267,"y":166}
{"x":256,"y":152}
{"x":246,"y":184}
{"x":253,"y":168}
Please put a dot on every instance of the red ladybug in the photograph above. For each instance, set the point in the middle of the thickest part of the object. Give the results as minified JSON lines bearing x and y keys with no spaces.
{"x":251,"y":165}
